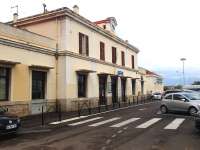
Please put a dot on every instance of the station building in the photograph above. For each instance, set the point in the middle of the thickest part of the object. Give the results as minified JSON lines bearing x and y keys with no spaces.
{"x":60,"y":56}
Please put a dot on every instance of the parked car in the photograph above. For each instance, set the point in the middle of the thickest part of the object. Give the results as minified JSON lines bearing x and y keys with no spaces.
{"x":157,"y":95}
{"x":8,"y":123}
{"x":177,"y":91}
{"x":181,"y":101}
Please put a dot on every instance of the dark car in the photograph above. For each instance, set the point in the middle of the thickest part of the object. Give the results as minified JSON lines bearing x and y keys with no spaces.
{"x":8,"y":123}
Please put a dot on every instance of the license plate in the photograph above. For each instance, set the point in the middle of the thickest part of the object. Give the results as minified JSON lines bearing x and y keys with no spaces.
{"x":12,"y":126}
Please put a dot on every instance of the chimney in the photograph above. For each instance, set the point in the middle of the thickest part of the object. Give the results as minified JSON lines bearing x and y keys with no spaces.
{"x":15,"y":17}
{"x":76,"y":9}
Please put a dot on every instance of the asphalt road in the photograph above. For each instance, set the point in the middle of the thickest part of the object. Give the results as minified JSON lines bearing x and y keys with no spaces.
{"x":134,"y":128}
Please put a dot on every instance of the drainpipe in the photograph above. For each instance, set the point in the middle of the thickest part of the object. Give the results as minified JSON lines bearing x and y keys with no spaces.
{"x":56,"y":57}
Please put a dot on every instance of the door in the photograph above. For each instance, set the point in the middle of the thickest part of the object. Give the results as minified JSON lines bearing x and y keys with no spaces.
{"x":38,"y":91}
{"x":114,"y":89}
{"x":123,"y":89}
{"x":102,"y":89}
{"x":179,"y":103}
{"x":133,"y":86}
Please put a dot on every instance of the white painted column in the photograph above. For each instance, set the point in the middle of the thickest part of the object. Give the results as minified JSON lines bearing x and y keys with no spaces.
{"x":119,"y":90}
{"x":128,"y":87}
{"x":92,"y":85}
{"x":109,"y":90}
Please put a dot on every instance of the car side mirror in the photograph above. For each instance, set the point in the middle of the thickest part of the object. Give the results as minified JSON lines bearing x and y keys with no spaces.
{"x":186,"y":100}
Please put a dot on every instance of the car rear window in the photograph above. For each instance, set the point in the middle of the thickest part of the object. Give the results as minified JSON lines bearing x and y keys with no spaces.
{"x":168,"y":97}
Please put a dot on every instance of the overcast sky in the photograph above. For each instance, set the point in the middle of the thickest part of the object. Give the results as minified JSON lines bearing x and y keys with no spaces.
{"x":163,"y":30}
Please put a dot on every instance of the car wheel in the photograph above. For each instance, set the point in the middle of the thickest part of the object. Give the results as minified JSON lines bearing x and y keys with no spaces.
{"x":163,"y":109}
{"x":192,"y":110}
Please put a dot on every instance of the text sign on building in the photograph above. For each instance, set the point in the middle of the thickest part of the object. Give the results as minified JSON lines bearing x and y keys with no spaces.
{"x":120,"y":73}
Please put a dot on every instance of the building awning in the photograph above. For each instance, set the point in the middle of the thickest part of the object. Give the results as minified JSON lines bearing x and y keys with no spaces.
{"x":85,"y":71}
{"x":38,"y":67}
{"x":105,"y":74}
{"x":7,"y":63}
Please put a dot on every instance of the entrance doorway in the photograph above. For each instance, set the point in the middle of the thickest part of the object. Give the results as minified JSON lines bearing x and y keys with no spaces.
{"x":123,"y":89}
{"x":142,"y":85}
{"x":114,"y":89}
{"x":133,"y":86}
{"x":102,"y":89}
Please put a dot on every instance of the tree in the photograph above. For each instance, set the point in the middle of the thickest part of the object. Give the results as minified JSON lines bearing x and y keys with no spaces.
{"x":196,"y":83}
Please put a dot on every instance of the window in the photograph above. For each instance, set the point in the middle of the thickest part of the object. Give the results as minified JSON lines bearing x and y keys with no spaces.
{"x":169,"y":97}
{"x":178,"y":97}
{"x":82,"y":85}
{"x":123,"y":58}
{"x":83,"y":44}
{"x":38,"y":84}
{"x":102,"y":51}
{"x":114,"y":55}
{"x":133,"y":86}
{"x":104,"y":26}
{"x":4,"y":83}
{"x":133,"y":61}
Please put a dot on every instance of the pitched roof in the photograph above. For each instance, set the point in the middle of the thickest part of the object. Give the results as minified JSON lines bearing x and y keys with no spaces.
{"x":62,"y":12}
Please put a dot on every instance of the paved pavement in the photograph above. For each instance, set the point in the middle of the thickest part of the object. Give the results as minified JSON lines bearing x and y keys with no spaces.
{"x":134,"y":128}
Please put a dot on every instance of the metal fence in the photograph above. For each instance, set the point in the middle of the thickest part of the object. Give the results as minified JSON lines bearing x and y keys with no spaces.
{"x":51,"y":111}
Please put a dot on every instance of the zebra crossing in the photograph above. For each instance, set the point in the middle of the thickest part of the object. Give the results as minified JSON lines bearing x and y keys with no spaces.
{"x":117,"y":122}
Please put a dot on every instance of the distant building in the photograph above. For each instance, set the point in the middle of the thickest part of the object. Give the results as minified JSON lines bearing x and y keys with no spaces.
{"x":152,"y":81}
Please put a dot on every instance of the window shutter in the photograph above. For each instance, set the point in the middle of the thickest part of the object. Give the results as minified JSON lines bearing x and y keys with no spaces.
{"x":123,"y":59}
{"x":102,"y":51}
{"x":80,"y":43}
{"x":87,"y":45}
{"x":114,"y":56}
{"x":133,"y":62}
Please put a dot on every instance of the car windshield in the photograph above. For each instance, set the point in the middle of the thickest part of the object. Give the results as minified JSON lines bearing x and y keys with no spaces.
{"x":192,"y":96}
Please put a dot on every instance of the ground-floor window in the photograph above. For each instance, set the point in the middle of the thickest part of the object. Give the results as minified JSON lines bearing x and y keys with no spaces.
{"x":4,"y":83}
{"x":133,"y":86}
{"x":123,"y":89}
{"x":38,"y":84}
{"x":102,"y":89}
{"x":82,"y":85}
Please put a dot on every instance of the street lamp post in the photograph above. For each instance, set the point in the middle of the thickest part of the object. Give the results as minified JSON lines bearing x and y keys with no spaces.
{"x":183,"y":60}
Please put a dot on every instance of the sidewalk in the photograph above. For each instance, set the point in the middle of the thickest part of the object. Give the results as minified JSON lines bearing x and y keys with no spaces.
{"x":41,"y":121}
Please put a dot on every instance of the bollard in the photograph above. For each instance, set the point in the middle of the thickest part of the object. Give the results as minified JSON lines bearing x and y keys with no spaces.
{"x":59,"y":114}
{"x":99,"y":108}
{"x":79,"y":112}
{"x":106,"y":107}
{"x":42,"y":115}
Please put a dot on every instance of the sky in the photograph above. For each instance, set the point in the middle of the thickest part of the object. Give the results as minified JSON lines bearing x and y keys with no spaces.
{"x":163,"y":30}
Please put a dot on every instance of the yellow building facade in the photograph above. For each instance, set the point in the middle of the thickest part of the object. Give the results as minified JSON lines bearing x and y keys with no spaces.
{"x":59,"y":56}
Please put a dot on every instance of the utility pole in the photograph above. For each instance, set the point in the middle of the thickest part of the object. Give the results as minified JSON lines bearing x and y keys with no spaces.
{"x":183,"y":61}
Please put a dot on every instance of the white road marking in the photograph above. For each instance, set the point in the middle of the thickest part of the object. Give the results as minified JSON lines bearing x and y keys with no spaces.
{"x":68,"y":120}
{"x":114,"y":135}
{"x":120,"y":131}
{"x":149,"y":123}
{"x":125,"y":128}
{"x":104,"y":122}
{"x":108,"y":141}
{"x":142,"y":109}
{"x":175,"y":123}
{"x":85,"y":121}
{"x":124,"y":123}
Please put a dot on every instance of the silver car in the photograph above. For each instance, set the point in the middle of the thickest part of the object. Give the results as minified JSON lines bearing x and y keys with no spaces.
{"x":183,"y":101}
